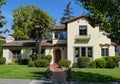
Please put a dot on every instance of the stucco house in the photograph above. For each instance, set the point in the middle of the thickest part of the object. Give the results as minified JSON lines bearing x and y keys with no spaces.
{"x":69,"y":41}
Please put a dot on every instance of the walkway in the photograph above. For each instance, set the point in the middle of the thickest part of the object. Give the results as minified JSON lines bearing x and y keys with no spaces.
{"x":58,"y":73}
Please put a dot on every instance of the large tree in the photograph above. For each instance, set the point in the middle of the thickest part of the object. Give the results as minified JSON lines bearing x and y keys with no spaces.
{"x":30,"y":22}
{"x":67,"y":13}
{"x":105,"y":14}
{"x":25,"y":16}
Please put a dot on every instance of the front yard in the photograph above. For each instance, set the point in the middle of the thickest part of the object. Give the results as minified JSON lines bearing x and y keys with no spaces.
{"x":21,"y":72}
{"x":96,"y":75}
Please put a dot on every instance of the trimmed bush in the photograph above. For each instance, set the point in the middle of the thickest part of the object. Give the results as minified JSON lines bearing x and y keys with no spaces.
{"x":109,"y":62}
{"x":116,"y":59}
{"x":74,"y":65}
{"x":92,"y":64}
{"x":24,"y":61}
{"x":31,"y":64}
{"x":83,"y":62}
{"x":64,"y":63}
{"x":100,"y":63}
{"x":41,"y":63}
{"x":48,"y":57}
{"x":42,"y":56}
{"x":2,"y":60}
{"x":33,"y":57}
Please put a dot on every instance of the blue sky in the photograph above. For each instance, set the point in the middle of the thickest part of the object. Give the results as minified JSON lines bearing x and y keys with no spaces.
{"x":54,"y":7}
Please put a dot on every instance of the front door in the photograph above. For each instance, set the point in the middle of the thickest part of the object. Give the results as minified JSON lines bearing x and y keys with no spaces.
{"x":57,"y":55}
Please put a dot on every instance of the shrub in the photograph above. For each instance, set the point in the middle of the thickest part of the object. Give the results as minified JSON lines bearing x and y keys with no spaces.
{"x":2,"y":60}
{"x":116,"y":59}
{"x":42,"y":56}
{"x":109,"y":62}
{"x":24,"y":61}
{"x":64,"y":63}
{"x":33,"y":57}
{"x":41,"y":63}
{"x":74,"y":65}
{"x":31,"y":64}
{"x":100,"y":63}
{"x":83,"y":62}
{"x":48,"y":57}
{"x":15,"y":61}
{"x":92,"y":64}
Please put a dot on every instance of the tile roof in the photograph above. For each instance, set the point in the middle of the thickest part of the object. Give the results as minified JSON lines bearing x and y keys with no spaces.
{"x":24,"y":43}
{"x":59,"y":27}
{"x":74,"y":18}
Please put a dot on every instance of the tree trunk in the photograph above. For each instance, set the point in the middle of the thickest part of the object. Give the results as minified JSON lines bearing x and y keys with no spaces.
{"x":39,"y":48}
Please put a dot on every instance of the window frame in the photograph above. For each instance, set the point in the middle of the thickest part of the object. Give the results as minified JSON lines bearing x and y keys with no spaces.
{"x":83,"y":32}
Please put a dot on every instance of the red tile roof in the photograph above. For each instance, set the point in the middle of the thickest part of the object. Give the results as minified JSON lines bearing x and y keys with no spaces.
{"x":74,"y":18}
{"x":60,"y":27}
{"x":23,"y":43}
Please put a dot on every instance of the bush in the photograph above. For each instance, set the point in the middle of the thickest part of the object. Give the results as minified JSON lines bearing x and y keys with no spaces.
{"x":64,"y":63}
{"x":100,"y":63}
{"x":83,"y":62}
{"x":92,"y":64}
{"x":42,"y":56}
{"x":33,"y":57}
{"x":49,"y":58}
{"x":41,"y":63}
{"x":74,"y":65}
{"x":2,"y":60}
{"x":31,"y":64}
{"x":116,"y":59}
{"x":109,"y":62}
{"x":24,"y":61}
{"x":15,"y":61}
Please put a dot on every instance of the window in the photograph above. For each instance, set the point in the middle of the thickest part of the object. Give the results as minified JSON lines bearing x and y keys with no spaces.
{"x":105,"y":51}
{"x":82,"y":30}
{"x":83,"y":51}
{"x":57,"y":35}
{"x":77,"y":52}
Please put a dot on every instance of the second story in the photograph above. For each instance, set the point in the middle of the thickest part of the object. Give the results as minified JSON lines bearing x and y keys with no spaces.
{"x":78,"y":31}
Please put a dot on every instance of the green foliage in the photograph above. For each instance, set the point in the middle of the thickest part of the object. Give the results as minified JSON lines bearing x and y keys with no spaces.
{"x":105,"y":14}
{"x":27,"y":18}
{"x":83,"y":62}
{"x":31,"y":64}
{"x":92,"y":64}
{"x":100,"y":63}
{"x":33,"y":57}
{"x":64,"y":63}
{"x":2,"y":60}
{"x":116,"y":59}
{"x":109,"y":62}
{"x":49,"y":58}
{"x":74,"y":65}
{"x":24,"y":61}
{"x":15,"y":61}
{"x":41,"y":63}
{"x":1,"y":49}
{"x":2,"y":22}
{"x":67,"y":13}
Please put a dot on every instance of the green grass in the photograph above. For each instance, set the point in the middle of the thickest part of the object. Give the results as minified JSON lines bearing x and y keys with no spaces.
{"x":96,"y":75}
{"x":21,"y":72}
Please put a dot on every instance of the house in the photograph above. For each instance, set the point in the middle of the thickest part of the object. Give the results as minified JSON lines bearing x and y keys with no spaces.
{"x":69,"y":41}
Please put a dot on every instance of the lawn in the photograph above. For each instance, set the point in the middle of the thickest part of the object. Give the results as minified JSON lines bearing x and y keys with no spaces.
{"x":96,"y":75}
{"x":21,"y":72}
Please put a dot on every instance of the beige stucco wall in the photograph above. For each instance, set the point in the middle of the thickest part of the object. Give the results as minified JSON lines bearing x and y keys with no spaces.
{"x":96,"y":38}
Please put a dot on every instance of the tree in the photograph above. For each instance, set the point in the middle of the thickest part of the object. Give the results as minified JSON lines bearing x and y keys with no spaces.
{"x":24,"y":16}
{"x":105,"y":14}
{"x":2,"y":21}
{"x":67,"y":13}
{"x":30,"y":22}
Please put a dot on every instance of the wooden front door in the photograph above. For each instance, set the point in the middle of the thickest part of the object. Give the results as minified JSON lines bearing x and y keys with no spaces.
{"x":57,"y":55}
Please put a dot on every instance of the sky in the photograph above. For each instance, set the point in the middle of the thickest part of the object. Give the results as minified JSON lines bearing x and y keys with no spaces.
{"x":55,"y":8}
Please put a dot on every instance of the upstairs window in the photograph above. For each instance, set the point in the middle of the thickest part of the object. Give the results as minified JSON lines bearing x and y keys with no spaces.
{"x":83,"y":30}
{"x":56,"y":35}
{"x":105,"y":52}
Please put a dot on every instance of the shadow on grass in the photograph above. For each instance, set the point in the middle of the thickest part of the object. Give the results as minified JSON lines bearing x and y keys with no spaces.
{"x":38,"y":75}
{"x":91,"y":77}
